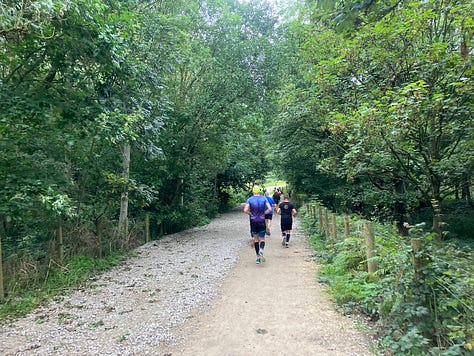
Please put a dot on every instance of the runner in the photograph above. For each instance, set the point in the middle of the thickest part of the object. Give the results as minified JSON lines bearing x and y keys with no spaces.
{"x":287,"y":212}
{"x":269,"y":216}
{"x":257,"y":207}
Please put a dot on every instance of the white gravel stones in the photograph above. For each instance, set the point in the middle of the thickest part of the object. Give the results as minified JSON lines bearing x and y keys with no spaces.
{"x":138,"y":306}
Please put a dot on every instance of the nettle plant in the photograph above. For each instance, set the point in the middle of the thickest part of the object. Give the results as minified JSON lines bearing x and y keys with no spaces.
{"x":425,"y":299}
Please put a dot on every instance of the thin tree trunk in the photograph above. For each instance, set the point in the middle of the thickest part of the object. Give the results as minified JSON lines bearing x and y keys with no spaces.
{"x":2,"y":292}
{"x":123,"y":219}
{"x":465,"y":189}
{"x":60,"y":242}
{"x":437,"y":220}
{"x":399,"y":208}
{"x":98,"y":228}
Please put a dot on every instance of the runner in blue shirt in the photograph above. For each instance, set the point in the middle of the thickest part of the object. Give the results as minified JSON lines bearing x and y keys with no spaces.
{"x":257,"y":207}
{"x":269,"y":216}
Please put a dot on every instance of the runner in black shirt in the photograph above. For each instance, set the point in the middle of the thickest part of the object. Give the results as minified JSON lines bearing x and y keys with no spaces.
{"x":287,"y":211}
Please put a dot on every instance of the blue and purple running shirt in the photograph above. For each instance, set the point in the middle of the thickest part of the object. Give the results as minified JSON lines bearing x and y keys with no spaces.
{"x":258,"y":206}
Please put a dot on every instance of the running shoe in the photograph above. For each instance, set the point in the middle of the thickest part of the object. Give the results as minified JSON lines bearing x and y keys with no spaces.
{"x":286,"y":244}
{"x":283,"y":241}
{"x":268,"y":232}
{"x":257,"y":261}
{"x":261,"y":256}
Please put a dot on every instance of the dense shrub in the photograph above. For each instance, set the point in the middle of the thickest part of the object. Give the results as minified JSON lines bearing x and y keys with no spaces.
{"x":427,"y":309}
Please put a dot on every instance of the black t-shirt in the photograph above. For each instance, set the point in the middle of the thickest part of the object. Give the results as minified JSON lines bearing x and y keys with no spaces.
{"x":286,"y":209}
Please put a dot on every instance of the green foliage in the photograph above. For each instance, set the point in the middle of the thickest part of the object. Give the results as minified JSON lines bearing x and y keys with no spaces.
{"x":188,"y":85}
{"x":419,"y":310}
{"x":386,"y":108}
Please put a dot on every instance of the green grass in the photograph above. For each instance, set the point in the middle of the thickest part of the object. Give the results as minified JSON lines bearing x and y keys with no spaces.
{"x":272,"y":183}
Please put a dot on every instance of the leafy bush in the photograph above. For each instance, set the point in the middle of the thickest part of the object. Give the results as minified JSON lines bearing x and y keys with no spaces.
{"x":422,"y":301}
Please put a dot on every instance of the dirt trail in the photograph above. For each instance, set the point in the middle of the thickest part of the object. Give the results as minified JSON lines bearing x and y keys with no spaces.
{"x":275,"y":308}
{"x":178,"y":297}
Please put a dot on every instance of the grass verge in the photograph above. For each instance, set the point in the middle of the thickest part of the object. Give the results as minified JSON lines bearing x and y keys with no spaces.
{"x":54,"y":281}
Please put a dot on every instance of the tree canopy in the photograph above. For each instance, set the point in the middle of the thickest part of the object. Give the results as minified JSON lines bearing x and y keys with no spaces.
{"x":121,"y":119}
{"x":384,"y":93}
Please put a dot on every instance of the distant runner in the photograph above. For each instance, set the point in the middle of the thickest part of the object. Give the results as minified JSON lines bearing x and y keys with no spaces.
{"x":287,"y":211}
{"x":269,"y":216}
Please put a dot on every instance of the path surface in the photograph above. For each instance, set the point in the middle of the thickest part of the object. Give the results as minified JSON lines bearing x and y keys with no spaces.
{"x":275,"y":308}
{"x":196,"y":293}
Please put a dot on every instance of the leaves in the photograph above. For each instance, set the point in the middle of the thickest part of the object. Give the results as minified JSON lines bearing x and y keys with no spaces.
{"x":378,"y":104}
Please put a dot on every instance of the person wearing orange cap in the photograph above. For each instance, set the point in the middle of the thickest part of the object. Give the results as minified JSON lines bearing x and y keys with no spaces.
{"x":257,"y":207}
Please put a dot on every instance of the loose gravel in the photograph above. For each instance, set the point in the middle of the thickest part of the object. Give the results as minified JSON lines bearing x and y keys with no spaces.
{"x":136,"y":308}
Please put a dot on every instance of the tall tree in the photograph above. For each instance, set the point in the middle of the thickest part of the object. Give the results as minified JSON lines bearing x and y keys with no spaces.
{"x":393,"y":96}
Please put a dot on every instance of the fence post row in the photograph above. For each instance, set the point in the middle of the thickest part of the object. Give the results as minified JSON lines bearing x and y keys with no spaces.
{"x":334,"y":227}
{"x":330,"y":230}
{"x":321,"y":212}
{"x":320,"y":209}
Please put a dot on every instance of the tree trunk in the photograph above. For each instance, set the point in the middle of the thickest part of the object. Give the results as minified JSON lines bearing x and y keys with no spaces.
{"x":466,"y":190}
{"x":123,"y":219}
{"x":399,"y":208}
{"x":2,"y":292}
{"x":181,"y":192}
{"x":98,"y":228}
{"x":437,"y":219}
{"x":60,"y":242}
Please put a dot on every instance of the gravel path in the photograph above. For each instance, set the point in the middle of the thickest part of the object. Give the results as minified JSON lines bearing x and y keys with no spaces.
{"x":182,"y":294}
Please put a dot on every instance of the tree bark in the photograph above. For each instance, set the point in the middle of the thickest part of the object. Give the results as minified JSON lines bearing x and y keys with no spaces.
{"x":399,"y":208}
{"x":465,"y":190}
{"x":60,"y":242}
{"x":437,"y":220}
{"x":123,"y":219}
{"x":2,"y":292}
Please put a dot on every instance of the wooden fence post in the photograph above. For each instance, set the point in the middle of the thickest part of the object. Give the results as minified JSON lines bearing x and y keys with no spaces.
{"x":320,"y":209}
{"x":147,"y":227}
{"x":346,"y":227}
{"x":326,"y":223}
{"x":334,"y":226}
{"x":370,"y":247}
{"x":417,"y":261}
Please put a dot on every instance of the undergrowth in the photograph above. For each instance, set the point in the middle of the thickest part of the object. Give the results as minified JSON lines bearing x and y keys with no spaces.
{"x":422,"y":310}
{"x":52,"y":281}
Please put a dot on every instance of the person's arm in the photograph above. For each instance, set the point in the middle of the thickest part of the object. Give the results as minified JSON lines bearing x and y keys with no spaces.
{"x":294,"y":212}
{"x":247,"y":209}
{"x":269,"y":208}
{"x":272,"y":203}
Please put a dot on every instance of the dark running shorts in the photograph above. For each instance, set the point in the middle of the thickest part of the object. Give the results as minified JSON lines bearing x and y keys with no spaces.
{"x":268,"y":217}
{"x":286,"y":224}
{"x":258,"y":227}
